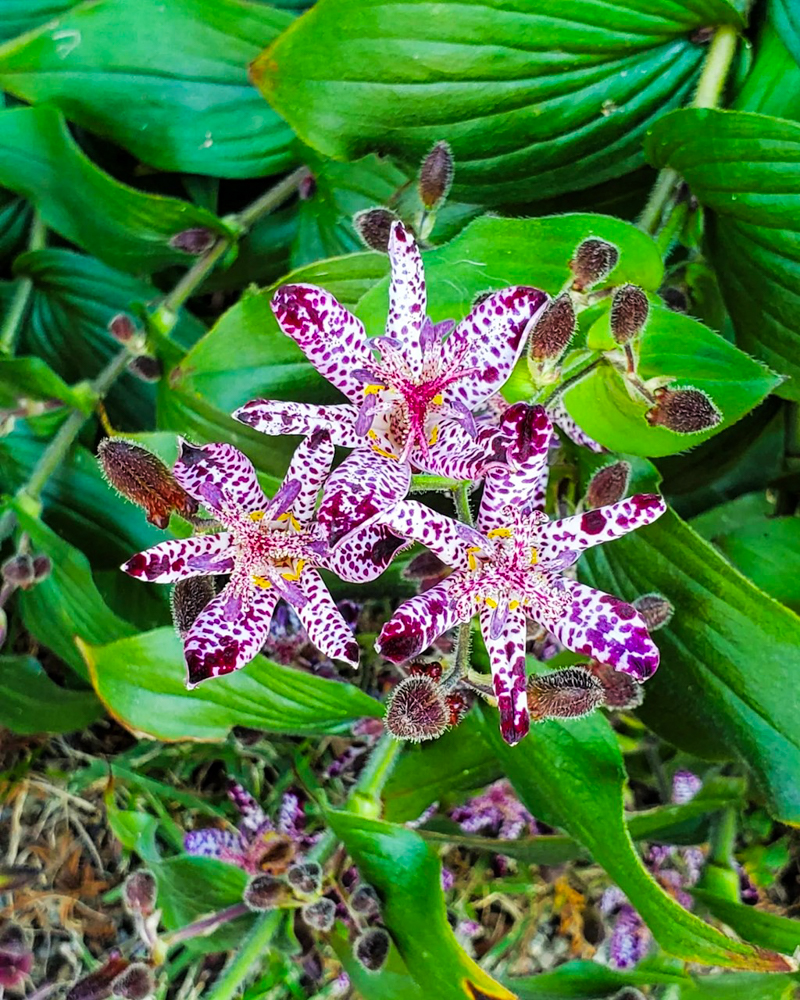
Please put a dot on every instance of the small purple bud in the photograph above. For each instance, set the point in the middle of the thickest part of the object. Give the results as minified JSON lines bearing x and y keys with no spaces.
{"x":436,"y":176}
{"x":42,"y":568}
{"x":265,"y":892}
{"x":307,"y":188}
{"x":320,"y":915}
{"x":416,"y":710}
{"x":122,"y":328}
{"x":608,"y":485}
{"x":194,"y":241}
{"x":621,"y":692}
{"x":139,"y":892}
{"x":593,"y":261}
{"x":146,"y":368}
{"x":553,"y":330}
{"x":365,"y":900}
{"x":18,"y":571}
{"x":629,"y":311}
{"x":374,"y":226}
{"x":685,"y":411}
{"x":189,"y":597}
{"x":656,"y":610}
{"x":685,"y":785}
{"x":305,"y":879}
{"x":135,"y":983}
{"x":372,"y":948}
{"x":98,"y":984}
{"x":563,"y":694}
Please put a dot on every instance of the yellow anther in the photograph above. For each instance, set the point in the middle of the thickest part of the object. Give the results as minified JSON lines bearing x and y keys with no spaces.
{"x":372,"y":435}
{"x":534,"y":557}
{"x":262,"y":581}
{"x":438,"y":399}
{"x":373,"y":389}
{"x":295,"y":573}
{"x":434,"y":435}
{"x":491,"y":602}
{"x":479,"y":599}
{"x":289,"y":516}
{"x":256,"y":515}
{"x":473,"y":562}
{"x":499,"y":533}
{"x":513,"y":605}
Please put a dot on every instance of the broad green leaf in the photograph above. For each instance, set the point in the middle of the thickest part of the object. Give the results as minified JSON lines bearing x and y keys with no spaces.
{"x":262,"y":254}
{"x":20,"y":16}
{"x":588,"y":981}
{"x":729,"y":517}
{"x":723,"y":687}
{"x":40,"y":160}
{"x":407,"y":876}
{"x":32,"y":378}
{"x":15,"y":217}
{"x":32,"y":703}
{"x":676,"y":346}
{"x":140,"y":680}
{"x":743,"y":168}
{"x":769,"y":930}
{"x":574,"y":770}
{"x":767,"y":551}
{"x":786,"y":18}
{"x":535,"y":100}
{"x":67,"y":604}
{"x":168,"y":81}
{"x":773,"y":84}
{"x":745,"y":986}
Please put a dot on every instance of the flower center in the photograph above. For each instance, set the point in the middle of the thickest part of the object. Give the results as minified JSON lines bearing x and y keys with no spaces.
{"x":274,"y":553}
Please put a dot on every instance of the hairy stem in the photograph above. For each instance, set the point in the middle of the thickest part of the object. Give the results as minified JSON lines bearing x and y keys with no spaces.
{"x":206,"y":926}
{"x":463,"y":509}
{"x":250,"y":951}
{"x":19,"y":302}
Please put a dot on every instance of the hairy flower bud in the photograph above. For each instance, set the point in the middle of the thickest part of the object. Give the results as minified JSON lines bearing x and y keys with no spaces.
{"x":135,"y":983}
{"x":146,"y":368}
{"x":629,"y":311}
{"x":265,"y":892}
{"x":188,"y":599}
{"x":365,"y":900}
{"x":553,"y":330}
{"x":564,"y":694}
{"x":458,"y":704}
{"x":142,"y":477}
{"x":684,"y":411}
{"x":19,"y":571}
{"x":98,"y":984}
{"x":320,"y":915}
{"x":139,"y":892}
{"x":306,"y":878}
{"x":674,"y":299}
{"x":194,"y":241}
{"x":16,"y":957}
{"x":374,"y":226}
{"x":608,"y":485}
{"x":656,"y":610}
{"x":593,"y":261}
{"x":372,"y":948}
{"x":436,"y":176}
{"x":122,"y":328}
{"x":416,"y":710}
{"x":621,"y":692}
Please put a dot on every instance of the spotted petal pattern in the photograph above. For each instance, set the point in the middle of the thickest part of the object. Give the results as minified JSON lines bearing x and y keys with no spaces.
{"x":360,"y":490}
{"x":449,"y":539}
{"x":506,"y":649}
{"x":180,"y":558}
{"x":365,"y":553}
{"x":272,"y":416}
{"x":309,"y":467}
{"x":407,"y":297}
{"x":220,"y":477}
{"x":323,"y":621}
{"x":419,"y":621}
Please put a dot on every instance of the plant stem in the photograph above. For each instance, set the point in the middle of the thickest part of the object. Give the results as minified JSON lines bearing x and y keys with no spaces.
{"x":425,"y":482}
{"x":206,"y":926}
{"x":461,"y":499}
{"x":19,"y":302}
{"x":663,"y":190}
{"x":250,"y":951}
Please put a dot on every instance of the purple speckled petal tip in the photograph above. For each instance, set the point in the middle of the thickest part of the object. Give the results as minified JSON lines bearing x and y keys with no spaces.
{"x":272,"y":416}
{"x":221,"y":478}
{"x":180,"y":558}
{"x":505,"y":645}
{"x":323,"y":621}
{"x":418,"y":622}
{"x":407,"y":299}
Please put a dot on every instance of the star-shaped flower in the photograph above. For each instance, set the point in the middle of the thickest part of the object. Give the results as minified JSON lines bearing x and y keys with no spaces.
{"x":270,"y":548}
{"x":510,"y":567}
{"x":414,"y":405}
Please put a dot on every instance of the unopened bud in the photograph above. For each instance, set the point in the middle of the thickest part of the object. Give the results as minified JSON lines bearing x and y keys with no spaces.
{"x":142,"y":477}
{"x":98,"y":984}
{"x":425,"y":566}
{"x":365,"y":900}
{"x":42,"y":568}
{"x":146,"y":368}
{"x":458,"y":704}
{"x":608,"y":485}
{"x":416,"y":710}
{"x":564,"y":694}
{"x":434,"y":669}
{"x":139,"y":892}
{"x":194,"y":241}
{"x":629,"y":311}
{"x":320,"y":915}
{"x":436,"y":176}
{"x":122,"y":328}
{"x":135,"y":983}
{"x":305,"y":879}
{"x":19,"y":571}
{"x":685,"y":411}
{"x":307,"y":187}
{"x":16,"y":957}
{"x":372,"y":948}
{"x":656,"y":610}
{"x":553,"y":330}
{"x":189,"y":597}
{"x":621,"y":691}
{"x":629,"y":993}
{"x":265,"y":892}
{"x":594,"y":260}
{"x":674,"y":299}
{"x":374,"y":226}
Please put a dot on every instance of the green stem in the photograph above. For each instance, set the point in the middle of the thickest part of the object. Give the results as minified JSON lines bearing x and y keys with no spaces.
{"x":365,"y":799}
{"x":426,"y":483}
{"x":663,"y":191}
{"x":463,"y":509}
{"x":250,"y":951}
{"x":19,"y":302}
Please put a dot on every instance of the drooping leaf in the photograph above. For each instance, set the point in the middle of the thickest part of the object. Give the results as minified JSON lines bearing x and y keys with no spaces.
{"x":563,"y":109}
{"x":589,"y":981}
{"x":166,"y":81}
{"x":745,"y":986}
{"x":140,"y":680}
{"x":772,"y":84}
{"x":767,"y":551}
{"x":30,"y":702}
{"x":743,"y":168}
{"x":407,"y":876}
{"x":41,"y":161}
{"x":770,"y":930}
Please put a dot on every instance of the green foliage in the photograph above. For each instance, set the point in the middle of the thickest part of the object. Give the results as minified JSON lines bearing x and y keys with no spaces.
{"x":31,"y":703}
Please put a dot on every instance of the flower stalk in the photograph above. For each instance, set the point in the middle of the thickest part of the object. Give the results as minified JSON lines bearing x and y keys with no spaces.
{"x":19,"y":302}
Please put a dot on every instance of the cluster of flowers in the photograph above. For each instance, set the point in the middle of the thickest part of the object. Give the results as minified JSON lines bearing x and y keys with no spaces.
{"x":423,"y":398}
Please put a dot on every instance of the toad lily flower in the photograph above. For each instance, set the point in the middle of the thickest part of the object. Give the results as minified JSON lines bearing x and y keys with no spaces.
{"x":511,"y":568}
{"x":270,"y":548}
{"x":415,"y":404}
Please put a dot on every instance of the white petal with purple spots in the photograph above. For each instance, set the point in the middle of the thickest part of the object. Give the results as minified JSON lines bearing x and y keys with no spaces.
{"x":221,"y":478}
{"x":421,"y":620}
{"x":365,"y":553}
{"x":407,"y":299}
{"x":180,"y":558}
{"x":272,"y":416}
{"x":309,"y":467}
{"x":323,"y":621}
{"x":448,"y":538}
{"x":505,"y":644}
{"x":360,"y":490}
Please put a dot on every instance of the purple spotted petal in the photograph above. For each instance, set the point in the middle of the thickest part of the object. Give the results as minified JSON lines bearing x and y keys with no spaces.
{"x":364,"y":554}
{"x":212,"y":843}
{"x":419,"y":621}
{"x":331,"y":338}
{"x":323,"y":621}
{"x":309,"y":468}
{"x":359,"y":490}
{"x":271,"y":416}
{"x":605,"y":628}
{"x":459,"y":455}
{"x":180,"y":558}
{"x":522,"y":480}
{"x":221,"y":478}
{"x":228,"y":633}
{"x":582,"y":531}
{"x":449,"y":539}
{"x":407,"y":300}
{"x":490,"y":340}
{"x":504,"y":633}
{"x":560,"y":416}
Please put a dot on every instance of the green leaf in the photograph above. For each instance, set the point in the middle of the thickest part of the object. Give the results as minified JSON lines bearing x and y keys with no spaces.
{"x":587,"y":981}
{"x":391,"y":982}
{"x":407,"y":876}
{"x":40,"y":160}
{"x":66,"y":605}
{"x":15,"y":217}
{"x":745,"y":986}
{"x":786,"y":18}
{"x":743,"y":168}
{"x":772,"y":85}
{"x":574,"y":771}
{"x":676,"y":346}
{"x":769,"y":930}
{"x":722,"y":688}
{"x":32,"y":703}
{"x":20,"y":16}
{"x":562,"y":108}
{"x":140,"y":680}
{"x":767,"y":551}
{"x":32,"y":378}
{"x":168,"y":81}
